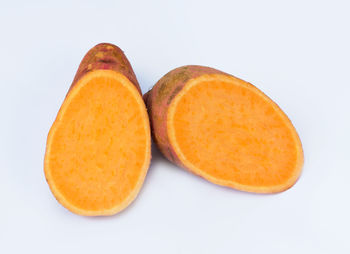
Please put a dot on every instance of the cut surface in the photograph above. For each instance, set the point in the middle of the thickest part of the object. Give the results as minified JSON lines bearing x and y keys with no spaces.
{"x":229,"y":132}
{"x":98,"y":149}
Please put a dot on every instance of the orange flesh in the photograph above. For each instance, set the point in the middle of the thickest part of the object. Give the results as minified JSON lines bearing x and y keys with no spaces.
{"x":232,"y":134}
{"x":99,"y":147}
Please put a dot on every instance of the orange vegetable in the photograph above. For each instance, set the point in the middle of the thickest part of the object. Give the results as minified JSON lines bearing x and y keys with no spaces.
{"x":99,"y":149}
{"x":224,"y":129}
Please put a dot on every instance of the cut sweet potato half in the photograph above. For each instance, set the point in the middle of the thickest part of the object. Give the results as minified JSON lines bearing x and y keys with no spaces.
{"x":225,"y":130}
{"x":98,"y":149}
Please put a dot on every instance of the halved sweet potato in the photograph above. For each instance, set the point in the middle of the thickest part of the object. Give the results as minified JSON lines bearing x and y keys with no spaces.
{"x":224,"y":129}
{"x":98,"y":149}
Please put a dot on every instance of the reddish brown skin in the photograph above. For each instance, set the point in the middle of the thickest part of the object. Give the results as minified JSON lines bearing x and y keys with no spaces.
{"x":111,"y":57}
{"x":106,"y":56}
{"x":159,"y":98}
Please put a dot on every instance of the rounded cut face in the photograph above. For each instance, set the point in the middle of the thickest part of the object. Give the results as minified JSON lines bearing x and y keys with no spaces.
{"x":99,"y":146}
{"x":232,"y":134}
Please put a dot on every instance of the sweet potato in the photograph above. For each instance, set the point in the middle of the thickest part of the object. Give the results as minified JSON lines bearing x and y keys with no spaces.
{"x":224,"y":129}
{"x":98,"y":149}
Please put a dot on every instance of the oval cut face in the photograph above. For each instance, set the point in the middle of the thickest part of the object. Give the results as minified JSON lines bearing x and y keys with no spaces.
{"x":98,"y":149}
{"x":228,"y":131}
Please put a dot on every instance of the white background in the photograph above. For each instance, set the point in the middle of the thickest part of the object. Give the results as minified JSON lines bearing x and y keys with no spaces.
{"x":297,"y":52}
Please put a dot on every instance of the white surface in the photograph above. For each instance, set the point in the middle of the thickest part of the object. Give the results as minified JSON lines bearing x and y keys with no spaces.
{"x":295,"y":51}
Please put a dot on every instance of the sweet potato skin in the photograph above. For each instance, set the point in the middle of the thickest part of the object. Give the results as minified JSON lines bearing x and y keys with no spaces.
{"x":158,"y":102}
{"x":103,"y":56}
{"x":159,"y":98}
{"x":106,"y":56}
